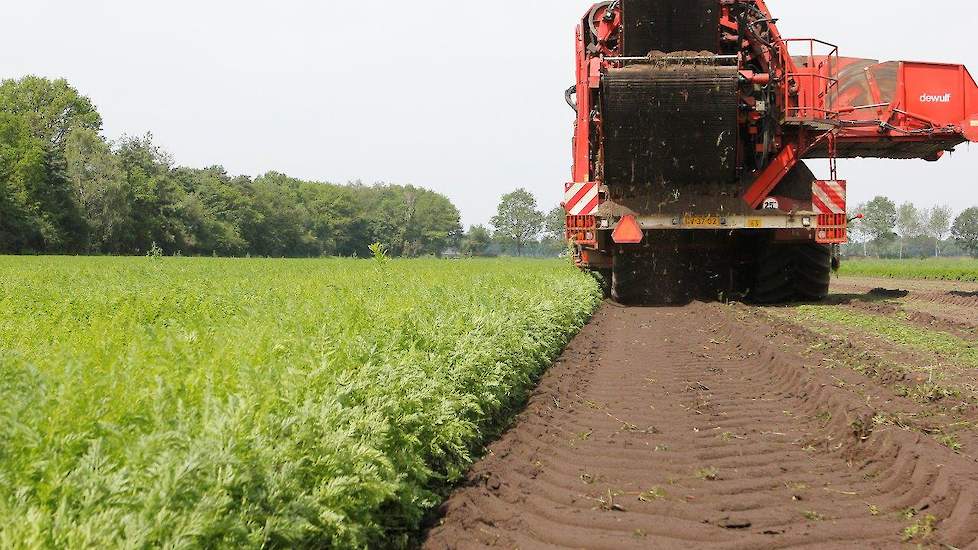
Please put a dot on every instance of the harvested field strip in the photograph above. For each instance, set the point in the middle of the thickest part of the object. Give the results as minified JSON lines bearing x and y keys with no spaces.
{"x":961,"y":318}
{"x":934,"y":318}
{"x":259,"y":403}
{"x":888,"y":350}
{"x":897,"y":331}
{"x":943,"y":398}
{"x":955,"y":303}
{"x":694,"y":427}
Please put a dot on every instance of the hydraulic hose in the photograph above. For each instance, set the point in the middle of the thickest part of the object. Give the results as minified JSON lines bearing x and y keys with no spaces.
{"x":569,"y":96}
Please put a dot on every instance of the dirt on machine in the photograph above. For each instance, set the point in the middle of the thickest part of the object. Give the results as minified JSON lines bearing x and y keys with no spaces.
{"x":694,"y":119}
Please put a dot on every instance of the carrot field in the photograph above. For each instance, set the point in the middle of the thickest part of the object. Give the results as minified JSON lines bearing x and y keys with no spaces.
{"x":943,"y":269}
{"x":181,"y":403}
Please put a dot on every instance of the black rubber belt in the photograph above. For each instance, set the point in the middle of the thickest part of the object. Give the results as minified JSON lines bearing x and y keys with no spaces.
{"x":668,"y":127}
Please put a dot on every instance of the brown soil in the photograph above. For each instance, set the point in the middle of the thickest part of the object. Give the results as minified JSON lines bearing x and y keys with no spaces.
{"x":710,"y":426}
{"x":954,"y":303}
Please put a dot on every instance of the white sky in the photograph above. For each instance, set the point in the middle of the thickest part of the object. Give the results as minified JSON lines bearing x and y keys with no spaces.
{"x":462,"y":97}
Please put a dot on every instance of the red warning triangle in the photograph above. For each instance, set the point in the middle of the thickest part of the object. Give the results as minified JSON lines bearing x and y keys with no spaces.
{"x":629,"y":231}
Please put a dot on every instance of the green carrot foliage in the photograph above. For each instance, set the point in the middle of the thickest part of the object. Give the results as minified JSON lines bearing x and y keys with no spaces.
{"x":206,"y":403}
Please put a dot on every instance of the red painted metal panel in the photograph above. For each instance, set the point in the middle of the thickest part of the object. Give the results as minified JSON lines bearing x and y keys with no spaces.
{"x":941,"y":94}
{"x":629,"y":231}
{"x":829,"y":202}
{"x":582,"y":130}
{"x":768,"y":179}
{"x":581,"y":199}
{"x":829,"y":197}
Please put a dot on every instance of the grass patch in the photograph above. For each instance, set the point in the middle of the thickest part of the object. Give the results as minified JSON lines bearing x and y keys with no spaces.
{"x":945,"y":269}
{"x":208,"y":403}
{"x":928,"y":392}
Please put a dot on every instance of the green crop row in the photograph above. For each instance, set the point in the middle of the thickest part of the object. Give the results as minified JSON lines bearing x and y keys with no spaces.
{"x":187,"y":403}
{"x":965,"y":270}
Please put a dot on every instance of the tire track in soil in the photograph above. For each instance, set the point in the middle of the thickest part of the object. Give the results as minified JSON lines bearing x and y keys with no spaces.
{"x":685,"y":427}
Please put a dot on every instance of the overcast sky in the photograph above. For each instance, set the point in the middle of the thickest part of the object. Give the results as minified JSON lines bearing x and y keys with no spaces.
{"x":462,"y":97}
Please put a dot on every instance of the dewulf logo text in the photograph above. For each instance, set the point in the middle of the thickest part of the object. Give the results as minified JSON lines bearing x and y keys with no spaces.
{"x":927,"y":98}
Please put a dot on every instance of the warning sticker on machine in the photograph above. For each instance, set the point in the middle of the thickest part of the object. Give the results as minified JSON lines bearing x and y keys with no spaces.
{"x":974,"y":123}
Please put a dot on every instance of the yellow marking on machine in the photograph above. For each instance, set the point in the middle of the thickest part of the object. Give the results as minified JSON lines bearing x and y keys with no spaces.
{"x":702,"y":221}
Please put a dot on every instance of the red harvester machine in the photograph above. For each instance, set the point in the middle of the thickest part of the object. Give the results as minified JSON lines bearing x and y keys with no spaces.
{"x":693,"y":121}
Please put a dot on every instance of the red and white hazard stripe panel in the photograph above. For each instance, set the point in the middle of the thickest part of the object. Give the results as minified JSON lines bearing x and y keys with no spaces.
{"x":829,"y":202}
{"x":581,"y":199}
{"x":829,"y":197}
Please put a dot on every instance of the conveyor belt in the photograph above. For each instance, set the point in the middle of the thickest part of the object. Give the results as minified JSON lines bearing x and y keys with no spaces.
{"x":668,"y":127}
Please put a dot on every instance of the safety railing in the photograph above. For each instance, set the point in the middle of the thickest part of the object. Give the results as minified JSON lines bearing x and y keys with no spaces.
{"x":812,"y":80}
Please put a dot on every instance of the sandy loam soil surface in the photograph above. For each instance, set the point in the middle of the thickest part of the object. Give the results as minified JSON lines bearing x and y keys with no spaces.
{"x":725,"y":426}
{"x":955,"y":302}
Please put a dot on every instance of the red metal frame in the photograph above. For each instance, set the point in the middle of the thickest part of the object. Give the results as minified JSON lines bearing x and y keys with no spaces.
{"x":809,"y":89}
{"x":582,"y":134}
{"x":770,"y":176}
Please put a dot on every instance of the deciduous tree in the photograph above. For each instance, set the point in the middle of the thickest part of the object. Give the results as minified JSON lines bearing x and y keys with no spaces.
{"x":52,"y":109}
{"x":555,"y":226}
{"x":880,"y":217}
{"x":965,"y":230}
{"x":477,"y":241}
{"x":37,"y":210}
{"x":938,"y":225}
{"x":99,"y":185}
{"x":517,"y":220}
{"x":908,"y":224}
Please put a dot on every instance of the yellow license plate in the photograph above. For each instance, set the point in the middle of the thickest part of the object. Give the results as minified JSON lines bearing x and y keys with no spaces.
{"x":755,"y":223}
{"x":702,"y":221}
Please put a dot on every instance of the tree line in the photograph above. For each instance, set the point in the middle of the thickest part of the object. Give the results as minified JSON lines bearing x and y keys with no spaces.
{"x":65,"y":189}
{"x":888,"y":230}
{"x":519,"y":228}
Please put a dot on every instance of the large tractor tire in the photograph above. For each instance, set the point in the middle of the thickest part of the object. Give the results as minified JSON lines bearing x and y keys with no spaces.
{"x":644,"y":276}
{"x":792,"y":272}
{"x":677,"y":267}
{"x":629,"y":277}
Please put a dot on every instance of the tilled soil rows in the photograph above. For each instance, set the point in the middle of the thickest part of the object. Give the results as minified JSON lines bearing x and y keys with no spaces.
{"x":955,"y":302}
{"x":719,"y":426}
